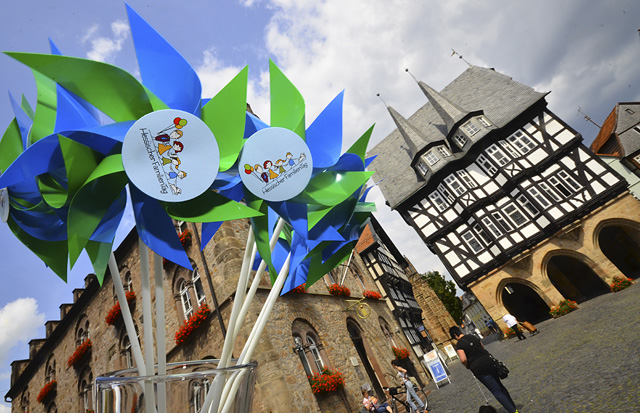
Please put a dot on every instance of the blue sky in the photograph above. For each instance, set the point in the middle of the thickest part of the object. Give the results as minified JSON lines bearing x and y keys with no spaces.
{"x":586,"y":54}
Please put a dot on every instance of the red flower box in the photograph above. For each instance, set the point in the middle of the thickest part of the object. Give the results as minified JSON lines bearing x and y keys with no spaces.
{"x":620,"y":283}
{"x":400,"y":353}
{"x":115,"y":314}
{"x":192,"y":324}
{"x":302,"y":288}
{"x":185,"y":237}
{"x":335,"y":289}
{"x":372,"y":294}
{"x":46,"y":391}
{"x":326,"y":382}
{"x":80,"y":352}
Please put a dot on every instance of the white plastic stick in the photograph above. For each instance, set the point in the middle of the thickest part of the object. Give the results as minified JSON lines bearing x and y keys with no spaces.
{"x":147,"y":324}
{"x":160,"y":332}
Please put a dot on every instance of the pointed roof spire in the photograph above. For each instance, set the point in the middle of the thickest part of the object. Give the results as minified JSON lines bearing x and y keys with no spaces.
{"x":413,"y":137}
{"x":448,"y":111}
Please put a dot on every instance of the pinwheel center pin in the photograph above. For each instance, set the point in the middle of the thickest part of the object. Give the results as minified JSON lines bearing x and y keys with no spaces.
{"x":277,"y":164}
{"x":171,"y":155}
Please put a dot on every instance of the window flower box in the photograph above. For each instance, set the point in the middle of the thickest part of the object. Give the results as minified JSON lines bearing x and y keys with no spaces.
{"x":115,"y":314}
{"x":565,"y":307}
{"x":326,"y":382}
{"x":335,"y":289}
{"x":185,"y":238}
{"x":620,"y":283}
{"x":81,"y":351}
{"x":192,"y":324}
{"x":374,"y":295}
{"x":302,"y":288}
{"x":400,"y":353}
{"x":47,"y":391}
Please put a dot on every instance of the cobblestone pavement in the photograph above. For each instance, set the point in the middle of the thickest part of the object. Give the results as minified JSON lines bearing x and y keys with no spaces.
{"x":585,"y":361}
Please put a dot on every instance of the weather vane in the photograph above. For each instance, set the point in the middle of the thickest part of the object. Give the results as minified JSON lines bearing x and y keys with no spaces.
{"x":460,"y":57}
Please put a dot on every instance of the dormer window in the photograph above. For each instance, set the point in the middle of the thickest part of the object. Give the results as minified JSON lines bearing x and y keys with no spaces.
{"x":460,"y":139}
{"x":629,"y":111}
{"x":470,"y":128}
{"x":431,"y":158}
{"x":422,"y":168}
{"x":484,"y":121}
{"x":522,"y":142}
{"x":444,"y":152}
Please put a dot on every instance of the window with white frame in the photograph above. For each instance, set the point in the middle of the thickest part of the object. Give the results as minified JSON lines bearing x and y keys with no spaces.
{"x":547,"y":190}
{"x":637,"y":128}
{"x":491,"y":226}
{"x":522,"y":142}
{"x":299,"y":348}
{"x":470,"y":128}
{"x":569,"y":180}
{"x":454,"y":184}
{"x":460,"y":139}
{"x":197,"y":286}
{"x":512,"y":152}
{"x":444,"y":191}
{"x":472,"y":241}
{"x":629,"y":111}
{"x":128,"y":282}
{"x":466,"y":178}
{"x":484,"y":121}
{"x":497,"y":155}
{"x":313,"y":348}
{"x":185,"y":299}
{"x":482,"y":233}
{"x":637,"y":157}
{"x":438,"y":200}
{"x":502,"y":223}
{"x":422,"y":168}
{"x":515,"y":214}
{"x":486,"y":165}
{"x":544,"y":202}
{"x":308,"y":346}
{"x":431,"y":158}
{"x":524,"y":201}
{"x":386,"y":331}
{"x":444,"y":151}
{"x":559,"y":186}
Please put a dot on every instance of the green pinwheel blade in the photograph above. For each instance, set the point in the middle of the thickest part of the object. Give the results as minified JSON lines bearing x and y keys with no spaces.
{"x":209,"y":207}
{"x":156,"y":103}
{"x":24,"y":105}
{"x":225,"y":115}
{"x":315,"y":213}
{"x":80,"y":161}
{"x":365,"y":207}
{"x":92,"y":201}
{"x":110,"y":89}
{"x":287,"y":104}
{"x":52,"y":253}
{"x":330,"y":188}
{"x":10,"y":145}
{"x":53,"y":192}
{"x":99,"y":253}
{"x":359,"y":147}
{"x":44,"y":119}
{"x":318,"y":269}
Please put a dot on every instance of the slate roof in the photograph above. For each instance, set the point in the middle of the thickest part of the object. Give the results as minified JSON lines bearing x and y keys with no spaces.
{"x":619,"y":125}
{"x":476,"y":89}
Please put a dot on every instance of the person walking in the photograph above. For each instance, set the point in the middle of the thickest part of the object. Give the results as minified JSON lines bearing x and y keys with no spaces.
{"x":412,"y":397}
{"x":474,"y":357}
{"x":512,"y":323}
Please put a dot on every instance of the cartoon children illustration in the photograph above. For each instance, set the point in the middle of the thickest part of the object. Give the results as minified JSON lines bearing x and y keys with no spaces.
{"x":302,"y":157}
{"x":176,"y":134}
{"x":290,"y":160}
{"x":267,"y":166}
{"x":261,"y":173}
{"x":279,"y":164}
{"x":173,"y":173}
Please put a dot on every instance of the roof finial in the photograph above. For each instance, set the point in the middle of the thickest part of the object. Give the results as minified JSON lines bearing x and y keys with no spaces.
{"x":588,"y":118}
{"x":414,"y":78}
{"x":385,"y":103}
{"x":460,"y":56}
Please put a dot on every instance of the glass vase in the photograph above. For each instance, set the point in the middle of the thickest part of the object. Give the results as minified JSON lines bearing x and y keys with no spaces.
{"x":185,"y":385}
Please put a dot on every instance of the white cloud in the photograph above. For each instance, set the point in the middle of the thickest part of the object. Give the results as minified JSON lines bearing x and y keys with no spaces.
{"x":19,"y":322}
{"x":5,"y":408}
{"x":104,"y":49}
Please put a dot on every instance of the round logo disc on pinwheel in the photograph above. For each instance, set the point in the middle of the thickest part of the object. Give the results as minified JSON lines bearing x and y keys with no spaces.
{"x":171,"y":155}
{"x":277,"y":164}
{"x":4,"y":205}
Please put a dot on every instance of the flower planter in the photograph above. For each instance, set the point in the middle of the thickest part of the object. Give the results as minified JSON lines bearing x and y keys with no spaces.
{"x":47,"y":392}
{"x":79,"y":354}
{"x":335,"y":289}
{"x":301,"y":289}
{"x":620,"y":283}
{"x":192,"y":324}
{"x":115,"y":314}
{"x":185,"y":238}
{"x":565,"y":307}
{"x":400,"y":353}
{"x":326,"y":382}
{"x":374,"y":295}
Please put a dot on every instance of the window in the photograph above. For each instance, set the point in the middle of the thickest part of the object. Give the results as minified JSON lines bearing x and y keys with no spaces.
{"x":308,"y":346}
{"x":509,"y":149}
{"x":472,"y":241}
{"x":482,"y":233}
{"x":128,"y":283}
{"x":187,"y":308}
{"x":486,"y":165}
{"x":444,"y":191}
{"x":50,"y":370}
{"x":199,"y":392}
{"x":470,"y":128}
{"x":82,"y":330}
{"x":386,"y":331}
{"x":521,"y":142}
{"x":637,"y":128}
{"x":568,"y":179}
{"x":522,"y":200}
{"x":489,"y":224}
{"x":502,"y":223}
{"x":126,"y":352}
{"x":539,"y":197}
{"x":431,"y":158}
{"x":84,"y":390}
{"x":484,"y":121}
{"x":466,"y":178}
{"x":559,"y":186}
{"x":438,"y":200}
{"x":455,"y":184}
{"x":422,"y":168}
{"x":197,"y":285}
{"x":444,"y":151}
{"x":315,"y":353}
{"x":637,"y":157}
{"x":460,"y":139}
{"x":549,"y":191}
{"x":514,"y":213}
{"x":299,"y":348}
{"x":629,"y":111}
{"x":497,"y":155}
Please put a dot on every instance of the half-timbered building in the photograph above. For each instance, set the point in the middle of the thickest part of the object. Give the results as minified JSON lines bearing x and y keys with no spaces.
{"x":497,"y":185}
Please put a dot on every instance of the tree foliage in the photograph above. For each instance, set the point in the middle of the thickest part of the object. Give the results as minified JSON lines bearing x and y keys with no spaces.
{"x":446,"y":292}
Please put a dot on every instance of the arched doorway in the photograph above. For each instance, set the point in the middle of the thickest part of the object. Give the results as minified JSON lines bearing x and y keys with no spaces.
{"x":622,"y":246}
{"x":574,"y":279}
{"x":524,"y":303}
{"x":358,"y":342}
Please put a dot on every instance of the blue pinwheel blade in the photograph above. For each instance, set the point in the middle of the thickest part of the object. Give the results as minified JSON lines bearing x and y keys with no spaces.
{"x":368,"y":161}
{"x":24,"y":121}
{"x":41,"y":225}
{"x":106,"y":230}
{"x":252,"y":125}
{"x":41,"y":157}
{"x":163,"y":70}
{"x":105,"y":139}
{"x":348,"y":162}
{"x":209,"y":229}
{"x":70,"y":114}
{"x":324,"y":135}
